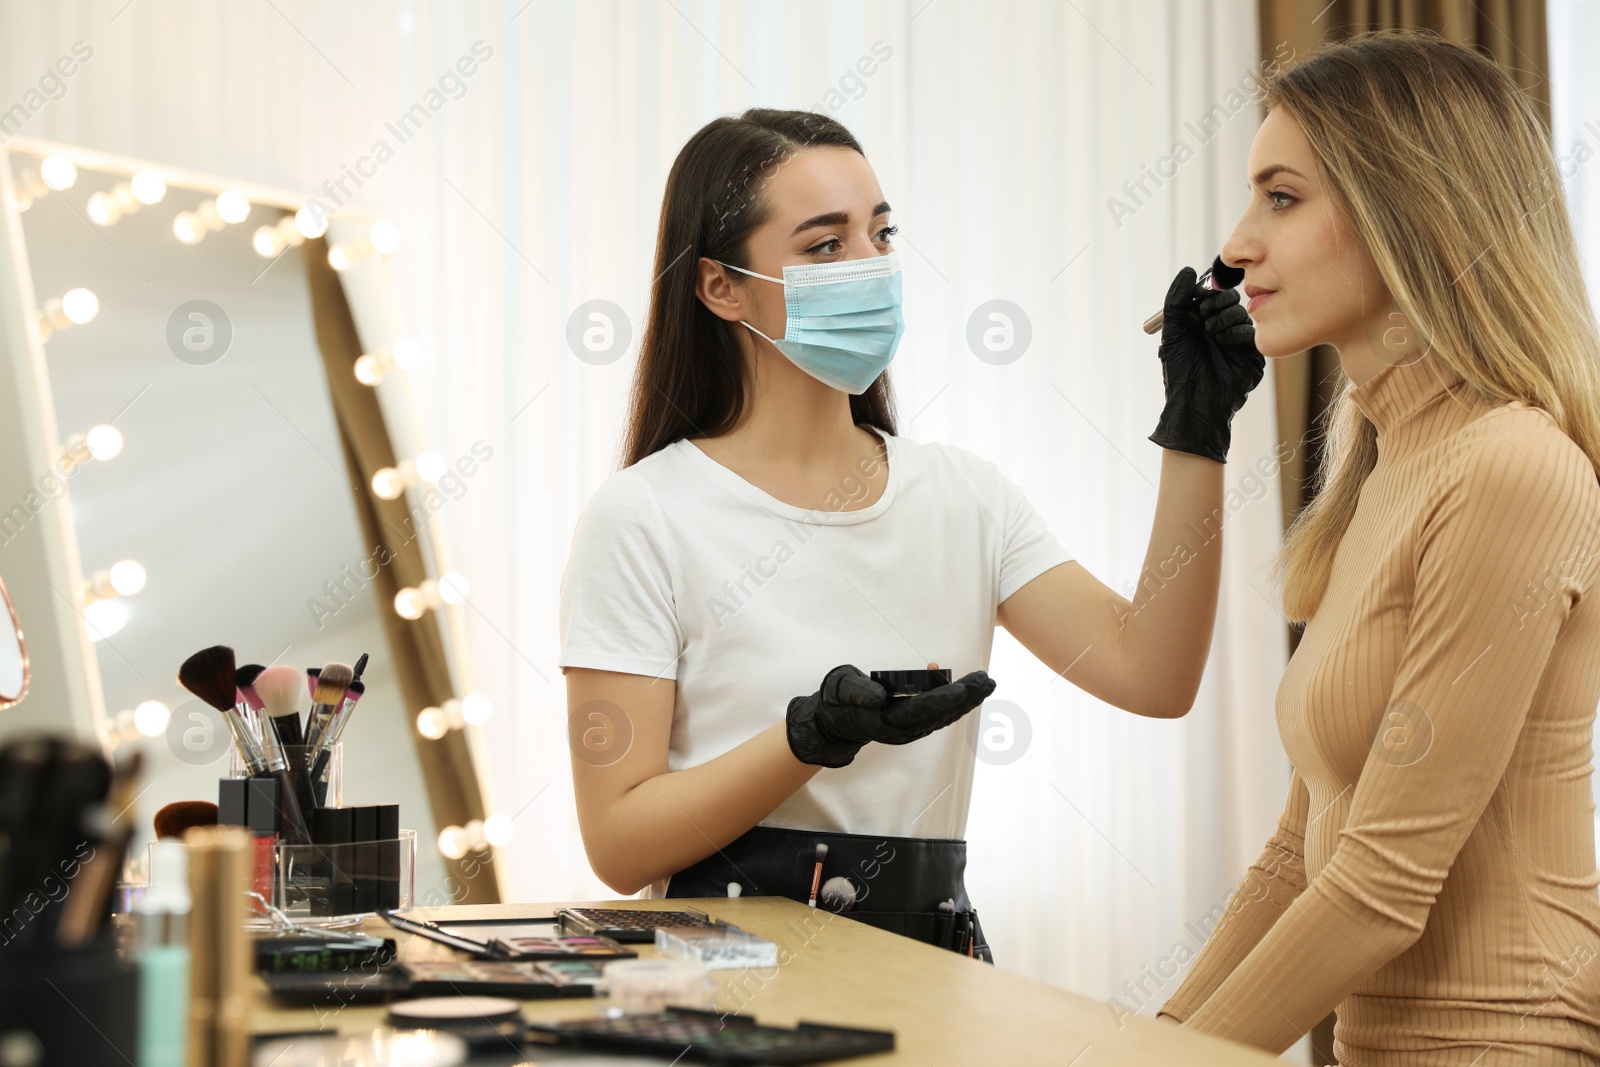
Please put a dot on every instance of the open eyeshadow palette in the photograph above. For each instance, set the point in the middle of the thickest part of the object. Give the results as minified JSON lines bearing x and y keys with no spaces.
{"x":631,"y":926}
{"x":710,"y":1037}
{"x":529,"y":940}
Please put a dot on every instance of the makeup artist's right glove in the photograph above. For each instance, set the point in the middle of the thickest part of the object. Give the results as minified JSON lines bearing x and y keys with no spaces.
{"x":828,"y":728}
{"x":1209,"y":364}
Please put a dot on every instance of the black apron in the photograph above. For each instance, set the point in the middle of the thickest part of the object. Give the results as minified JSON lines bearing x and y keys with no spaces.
{"x":899,"y":881}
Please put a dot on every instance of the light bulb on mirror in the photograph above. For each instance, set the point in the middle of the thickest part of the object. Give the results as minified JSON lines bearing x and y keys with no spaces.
{"x":310,"y":223}
{"x":149,"y":186}
{"x":58,"y":172}
{"x":128,"y":577}
{"x":188,"y":228}
{"x":151,"y":718}
{"x":432,"y":723}
{"x":453,"y":842}
{"x":103,"y":441}
{"x":265,"y":241}
{"x":339,"y":257}
{"x":369,"y":369}
{"x":233,"y":206}
{"x":102,"y":210}
{"x":386,"y":484}
{"x":80,"y":306}
{"x":408,"y":604}
{"x":104,"y":618}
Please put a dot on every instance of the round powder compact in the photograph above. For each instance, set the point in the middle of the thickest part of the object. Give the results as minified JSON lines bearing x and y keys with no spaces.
{"x":476,"y":1020}
{"x":381,"y":1048}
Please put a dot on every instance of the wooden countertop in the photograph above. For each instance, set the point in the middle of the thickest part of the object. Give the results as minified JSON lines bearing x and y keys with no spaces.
{"x":945,"y":1009}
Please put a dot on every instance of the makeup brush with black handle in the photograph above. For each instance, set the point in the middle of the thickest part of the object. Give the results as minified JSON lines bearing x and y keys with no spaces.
{"x":1220,"y":275}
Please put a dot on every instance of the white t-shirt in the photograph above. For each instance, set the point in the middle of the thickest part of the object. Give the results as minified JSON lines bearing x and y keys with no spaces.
{"x":682,"y":569}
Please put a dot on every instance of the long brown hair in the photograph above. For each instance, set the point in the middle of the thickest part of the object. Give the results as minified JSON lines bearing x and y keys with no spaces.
{"x":691,"y":376}
{"x":1446,"y":174}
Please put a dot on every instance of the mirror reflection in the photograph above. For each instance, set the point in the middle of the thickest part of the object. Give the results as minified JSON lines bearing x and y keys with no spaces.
{"x":13,"y":653}
{"x":210,"y":495}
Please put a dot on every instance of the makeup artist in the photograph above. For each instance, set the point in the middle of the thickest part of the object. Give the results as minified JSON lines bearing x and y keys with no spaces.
{"x":772,"y":539}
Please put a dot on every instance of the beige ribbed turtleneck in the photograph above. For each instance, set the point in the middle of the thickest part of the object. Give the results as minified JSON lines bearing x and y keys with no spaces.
{"x":1433,"y":874}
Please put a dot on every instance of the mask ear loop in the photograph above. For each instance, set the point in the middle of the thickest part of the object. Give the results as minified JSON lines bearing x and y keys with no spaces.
{"x":764,"y":277}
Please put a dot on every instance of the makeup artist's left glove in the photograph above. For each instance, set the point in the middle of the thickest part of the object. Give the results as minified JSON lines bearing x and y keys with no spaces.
{"x":1209,"y":364}
{"x":828,"y":728}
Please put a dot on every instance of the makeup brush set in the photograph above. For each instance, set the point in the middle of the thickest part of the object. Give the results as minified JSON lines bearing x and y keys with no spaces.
{"x":330,"y":859}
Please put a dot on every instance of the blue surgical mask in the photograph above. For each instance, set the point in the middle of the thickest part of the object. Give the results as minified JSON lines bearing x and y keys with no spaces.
{"x":844,"y":319}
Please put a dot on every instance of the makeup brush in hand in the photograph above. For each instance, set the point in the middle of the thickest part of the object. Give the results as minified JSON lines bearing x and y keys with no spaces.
{"x":332,"y":681}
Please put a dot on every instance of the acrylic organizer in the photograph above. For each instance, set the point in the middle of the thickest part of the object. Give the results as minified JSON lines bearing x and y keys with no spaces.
{"x":347,"y":879}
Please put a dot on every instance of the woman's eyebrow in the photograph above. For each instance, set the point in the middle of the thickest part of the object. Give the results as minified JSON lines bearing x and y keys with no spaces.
{"x":1265,"y":173}
{"x":836,"y":218}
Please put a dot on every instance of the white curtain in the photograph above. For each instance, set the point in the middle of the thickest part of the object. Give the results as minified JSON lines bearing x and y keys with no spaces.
{"x":1055,"y":155}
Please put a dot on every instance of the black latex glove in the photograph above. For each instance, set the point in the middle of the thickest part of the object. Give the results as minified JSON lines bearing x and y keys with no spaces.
{"x":828,"y":728}
{"x":1209,"y":364}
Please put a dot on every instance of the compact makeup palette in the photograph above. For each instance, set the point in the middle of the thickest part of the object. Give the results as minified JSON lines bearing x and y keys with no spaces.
{"x":477,"y":1020}
{"x":910,"y":683}
{"x":498,"y":940}
{"x":710,"y":1037}
{"x":631,"y":926}
{"x":496,"y":978}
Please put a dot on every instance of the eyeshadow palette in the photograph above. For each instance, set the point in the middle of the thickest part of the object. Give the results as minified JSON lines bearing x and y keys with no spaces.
{"x":571,"y":972}
{"x":564,"y":947}
{"x":490,"y":978}
{"x":523,"y":941}
{"x":630,"y":926}
{"x":710,"y":1037}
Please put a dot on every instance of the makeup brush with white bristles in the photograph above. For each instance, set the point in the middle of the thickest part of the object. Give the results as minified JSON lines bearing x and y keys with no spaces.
{"x":279,"y":689}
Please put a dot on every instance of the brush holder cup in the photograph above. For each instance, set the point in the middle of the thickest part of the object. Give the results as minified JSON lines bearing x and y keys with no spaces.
{"x":345,"y":878}
{"x":329,"y":787}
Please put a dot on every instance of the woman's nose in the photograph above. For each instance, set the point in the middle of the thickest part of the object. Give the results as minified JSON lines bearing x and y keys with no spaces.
{"x":1238,"y":250}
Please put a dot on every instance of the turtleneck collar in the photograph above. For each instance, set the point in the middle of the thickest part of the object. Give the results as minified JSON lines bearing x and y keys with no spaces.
{"x":1398,"y":390}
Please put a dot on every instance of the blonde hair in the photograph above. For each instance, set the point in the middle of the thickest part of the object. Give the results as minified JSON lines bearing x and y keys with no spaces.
{"x":1445,"y":173}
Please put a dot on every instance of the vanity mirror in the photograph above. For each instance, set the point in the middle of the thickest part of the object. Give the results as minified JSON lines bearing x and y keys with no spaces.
{"x":219,"y":374}
{"x":13,"y":654}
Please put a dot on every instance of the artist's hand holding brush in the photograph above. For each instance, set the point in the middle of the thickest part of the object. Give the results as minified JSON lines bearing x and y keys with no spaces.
{"x":1209,"y":364}
{"x":830,"y":726}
